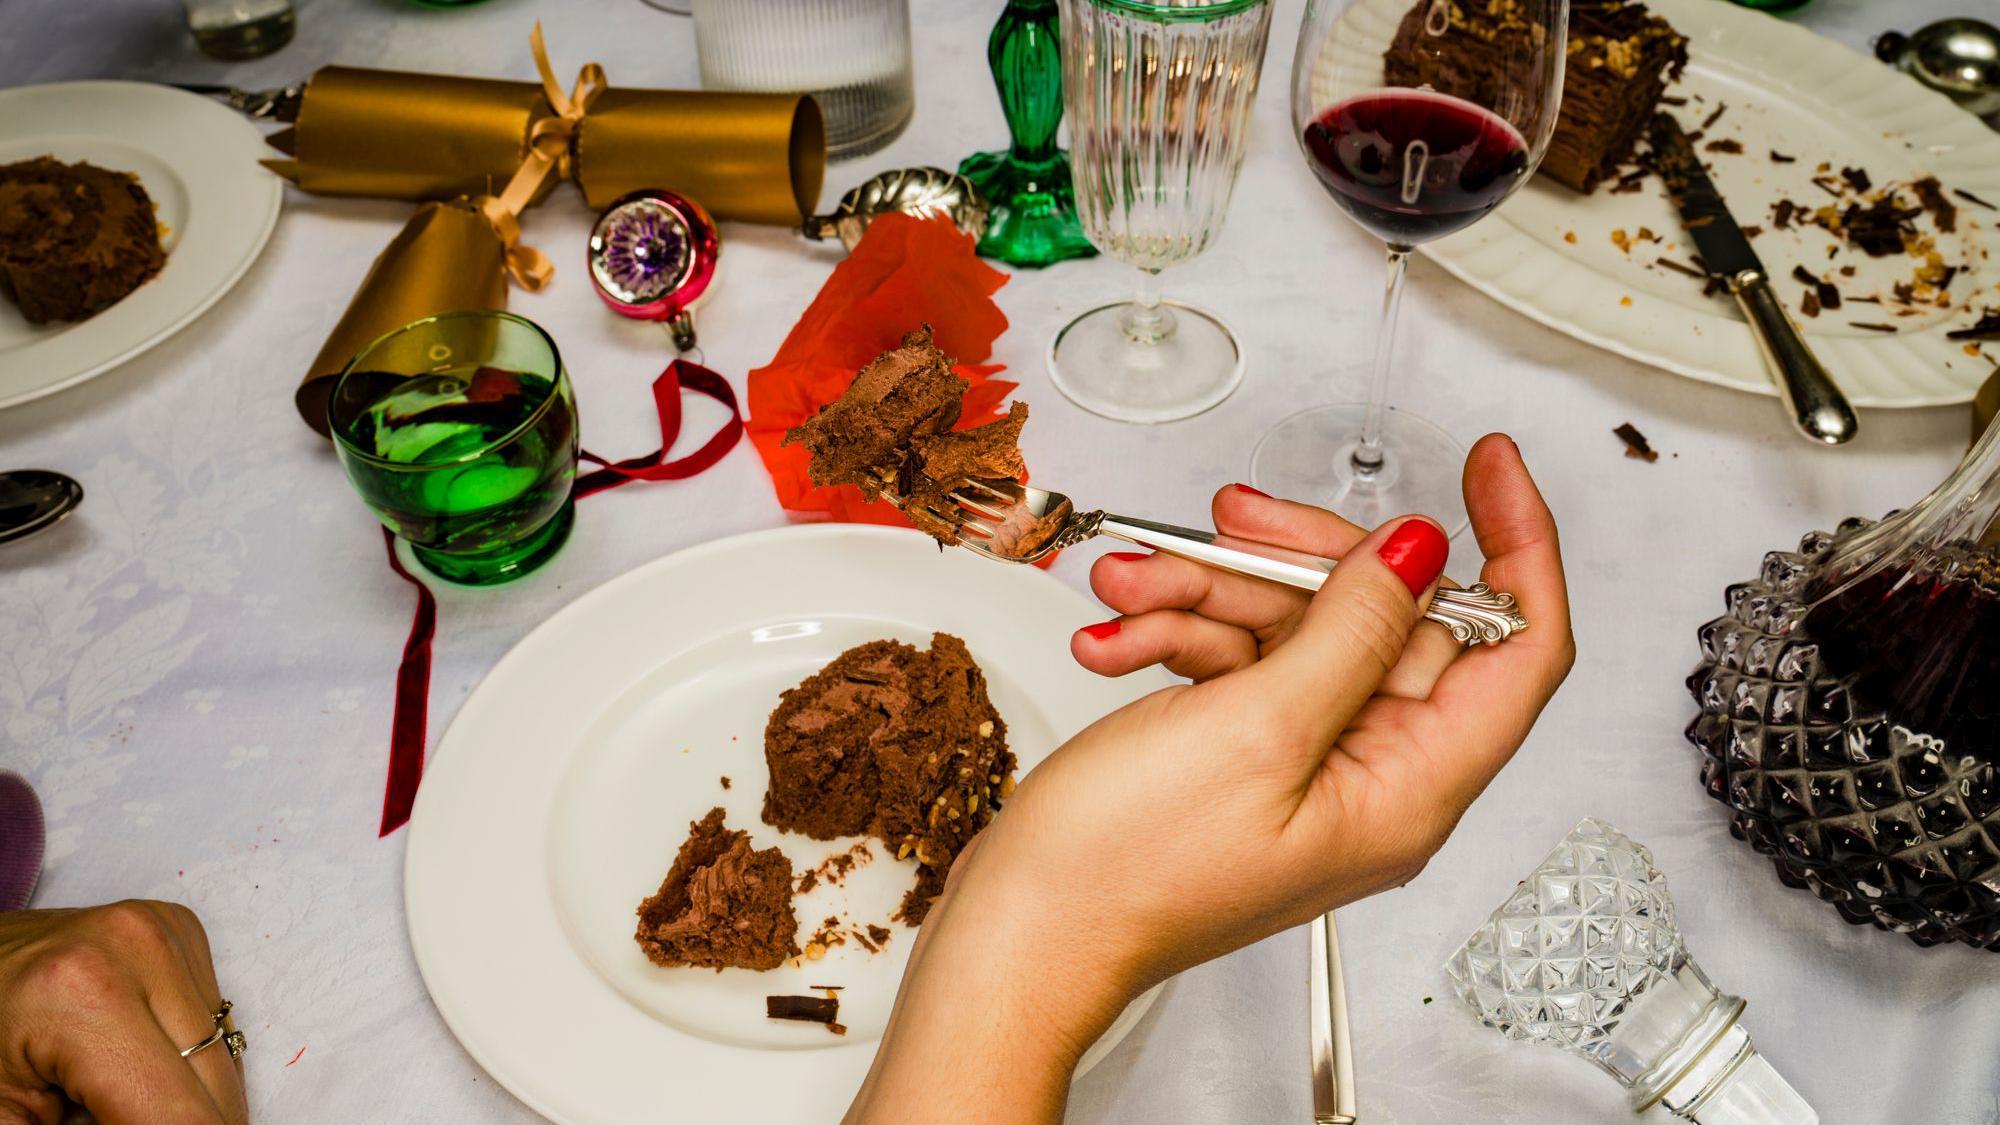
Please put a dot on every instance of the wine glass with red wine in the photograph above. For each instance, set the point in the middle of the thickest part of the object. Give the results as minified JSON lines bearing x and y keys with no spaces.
{"x":1419,"y":117}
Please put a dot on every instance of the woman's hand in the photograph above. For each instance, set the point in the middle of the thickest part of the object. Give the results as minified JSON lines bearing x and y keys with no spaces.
{"x":1329,"y":745}
{"x":95,"y":1008}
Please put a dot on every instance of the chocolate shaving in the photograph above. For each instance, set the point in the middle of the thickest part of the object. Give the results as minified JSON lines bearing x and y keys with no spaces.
{"x":1720,"y":109}
{"x":1971,"y":198}
{"x":1829,"y":297}
{"x":1856,"y":178}
{"x":880,"y":934}
{"x":1636,"y":444}
{"x":1809,"y":304}
{"x":1752,"y":231}
{"x":810,"y":1009}
{"x":1672,"y":100}
{"x":826,"y":987}
{"x":1930,"y":194}
{"x":1669,"y":263}
{"x":1987,"y":327}
{"x":1873,"y":327}
{"x":1828,"y":185}
{"x":1724,"y":144}
{"x":1781,"y":213}
{"x":1869,"y":300}
{"x":1804,"y":276}
{"x":1878,"y":228}
{"x":1780,"y":158}
{"x":1625,"y":187}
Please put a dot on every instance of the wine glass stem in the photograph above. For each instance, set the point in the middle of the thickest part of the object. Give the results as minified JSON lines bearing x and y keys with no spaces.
{"x":1146,"y":320}
{"x":1367,"y":456}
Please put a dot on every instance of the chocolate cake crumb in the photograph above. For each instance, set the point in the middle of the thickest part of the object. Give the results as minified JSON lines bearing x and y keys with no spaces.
{"x":1857,"y":178}
{"x":1636,"y":444}
{"x":1829,"y":297}
{"x":725,"y":782}
{"x":1809,"y":304}
{"x":1930,"y":196}
{"x":722,"y":904}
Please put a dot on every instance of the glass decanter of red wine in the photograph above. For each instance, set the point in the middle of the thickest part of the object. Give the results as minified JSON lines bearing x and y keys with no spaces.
{"x":1850,"y":712}
{"x":1419,"y":117}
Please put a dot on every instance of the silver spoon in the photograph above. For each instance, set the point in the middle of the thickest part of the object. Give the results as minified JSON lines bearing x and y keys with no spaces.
{"x":33,"y":500}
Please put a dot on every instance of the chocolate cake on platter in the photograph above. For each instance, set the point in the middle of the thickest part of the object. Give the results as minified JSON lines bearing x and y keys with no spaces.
{"x":722,"y":905}
{"x":894,"y":742}
{"x":1620,"y":58}
{"x":74,"y":238}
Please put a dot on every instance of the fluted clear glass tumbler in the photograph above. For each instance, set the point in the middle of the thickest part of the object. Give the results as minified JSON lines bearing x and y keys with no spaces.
{"x":1158,"y":97}
{"x":853,"y":56}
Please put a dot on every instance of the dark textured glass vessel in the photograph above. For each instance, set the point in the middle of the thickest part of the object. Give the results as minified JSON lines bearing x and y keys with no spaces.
{"x":1850,"y":712}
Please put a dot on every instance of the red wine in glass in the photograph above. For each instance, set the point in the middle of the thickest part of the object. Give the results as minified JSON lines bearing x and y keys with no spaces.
{"x":1413,"y":165}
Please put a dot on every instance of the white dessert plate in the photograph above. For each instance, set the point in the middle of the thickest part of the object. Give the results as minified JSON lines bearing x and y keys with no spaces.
{"x":1805,"y":96}
{"x":563,"y":788}
{"x":197,"y":159}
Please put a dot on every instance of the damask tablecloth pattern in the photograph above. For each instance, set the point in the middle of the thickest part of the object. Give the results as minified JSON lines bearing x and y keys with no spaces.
{"x":195,"y":671}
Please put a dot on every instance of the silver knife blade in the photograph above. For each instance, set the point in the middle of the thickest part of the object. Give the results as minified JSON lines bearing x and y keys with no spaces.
{"x":1724,"y":250}
{"x":1332,"y":1044}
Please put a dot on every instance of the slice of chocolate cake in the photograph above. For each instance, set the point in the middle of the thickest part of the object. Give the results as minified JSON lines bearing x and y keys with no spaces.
{"x":890,"y":434}
{"x":723,"y":904}
{"x":1621,"y":58}
{"x":74,"y":238}
{"x":894,"y":742}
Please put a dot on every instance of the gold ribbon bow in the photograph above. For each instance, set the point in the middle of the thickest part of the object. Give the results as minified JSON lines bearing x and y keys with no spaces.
{"x":550,"y":148}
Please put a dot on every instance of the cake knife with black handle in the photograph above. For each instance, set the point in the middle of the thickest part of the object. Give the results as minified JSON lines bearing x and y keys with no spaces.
{"x":1818,"y":408}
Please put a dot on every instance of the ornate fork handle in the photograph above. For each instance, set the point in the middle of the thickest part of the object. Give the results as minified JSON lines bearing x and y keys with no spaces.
{"x":1476,"y":614}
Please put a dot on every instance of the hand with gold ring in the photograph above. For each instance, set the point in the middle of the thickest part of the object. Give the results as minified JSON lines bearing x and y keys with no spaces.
{"x":114,"y":1010}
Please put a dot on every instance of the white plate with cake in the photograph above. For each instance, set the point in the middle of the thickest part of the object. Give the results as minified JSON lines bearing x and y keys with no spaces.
{"x":1873,"y":202}
{"x":574,"y":859}
{"x":126,"y":210}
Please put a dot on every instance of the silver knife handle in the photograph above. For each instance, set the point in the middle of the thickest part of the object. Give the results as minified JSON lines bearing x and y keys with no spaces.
{"x":1818,"y":408}
{"x":1477,"y":614}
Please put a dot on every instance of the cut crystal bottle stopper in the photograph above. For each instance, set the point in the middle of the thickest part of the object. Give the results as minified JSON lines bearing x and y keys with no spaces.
{"x":1585,"y":956}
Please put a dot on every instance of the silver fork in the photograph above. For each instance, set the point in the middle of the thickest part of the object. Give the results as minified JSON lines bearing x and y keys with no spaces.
{"x":281,"y":104}
{"x":1009,"y":521}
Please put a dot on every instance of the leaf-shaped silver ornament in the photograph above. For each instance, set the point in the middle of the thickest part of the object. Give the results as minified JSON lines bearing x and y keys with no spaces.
{"x":920,"y":192}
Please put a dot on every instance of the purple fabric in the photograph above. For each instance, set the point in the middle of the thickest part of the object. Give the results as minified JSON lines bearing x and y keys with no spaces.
{"x":21,"y":839}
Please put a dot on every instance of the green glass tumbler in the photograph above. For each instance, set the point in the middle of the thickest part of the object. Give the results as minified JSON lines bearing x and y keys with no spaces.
{"x":460,"y":432}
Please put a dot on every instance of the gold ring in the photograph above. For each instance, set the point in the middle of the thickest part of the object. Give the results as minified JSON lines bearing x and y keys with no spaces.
{"x":225,"y":1033}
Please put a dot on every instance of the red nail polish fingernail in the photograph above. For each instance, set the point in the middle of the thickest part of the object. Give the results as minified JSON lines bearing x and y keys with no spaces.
{"x":1103,"y":630}
{"x":1129,"y":556}
{"x":1252,"y":491}
{"x":1416,"y":552}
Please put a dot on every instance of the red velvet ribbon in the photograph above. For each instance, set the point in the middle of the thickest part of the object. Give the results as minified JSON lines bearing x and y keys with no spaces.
{"x":408,"y":730}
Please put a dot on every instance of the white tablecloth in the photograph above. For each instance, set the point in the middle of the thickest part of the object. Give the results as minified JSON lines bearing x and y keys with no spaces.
{"x":195,"y":671}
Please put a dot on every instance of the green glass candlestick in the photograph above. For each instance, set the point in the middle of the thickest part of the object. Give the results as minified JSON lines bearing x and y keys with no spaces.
{"x":1034,"y":209}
